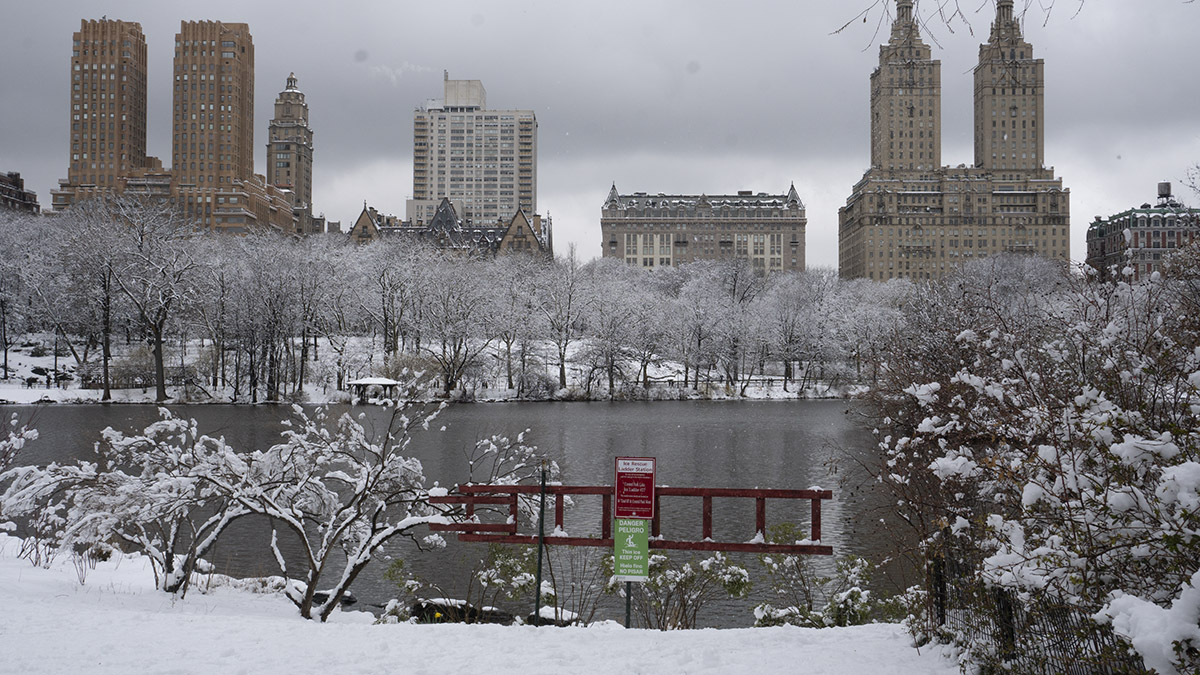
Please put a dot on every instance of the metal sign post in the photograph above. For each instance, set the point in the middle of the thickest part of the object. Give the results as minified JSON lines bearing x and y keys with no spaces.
{"x":633,"y":510}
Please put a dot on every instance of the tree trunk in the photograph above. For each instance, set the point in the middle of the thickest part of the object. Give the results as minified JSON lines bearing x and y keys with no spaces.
{"x":508,"y":368}
{"x":4,"y":334}
{"x":160,"y":375}
{"x":106,"y":346}
{"x":299,"y":389}
{"x":562,"y":368}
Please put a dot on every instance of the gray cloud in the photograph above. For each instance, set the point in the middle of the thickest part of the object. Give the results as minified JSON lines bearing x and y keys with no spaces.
{"x":697,"y":96}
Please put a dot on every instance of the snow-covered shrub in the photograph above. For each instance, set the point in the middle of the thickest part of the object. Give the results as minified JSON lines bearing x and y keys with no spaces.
{"x":1051,"y":424}
{"x":808,"y":598}
{"x":340,"y":491}
{"x":152,"y":492}
{"x":673,"y":596}
{"x":12,"y":442}
{"x":397,"y":609}
{"x":85,"y":557}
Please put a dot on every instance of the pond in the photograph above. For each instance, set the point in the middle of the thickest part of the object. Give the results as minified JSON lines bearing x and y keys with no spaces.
{"x":742,"y":444}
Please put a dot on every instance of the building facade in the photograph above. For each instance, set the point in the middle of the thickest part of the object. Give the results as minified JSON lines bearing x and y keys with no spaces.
{"x":522,"y":234}
{"x":1133,"y":243}
{"x":484,"y":160}
{"x":14,"y":196}
{"x":290,"y":152}
{"x":212,"y":130}
{"x":212,"y":175}
{"x":107,"y":134}
{"x":909,"y":217}
{"x":669,"y":230}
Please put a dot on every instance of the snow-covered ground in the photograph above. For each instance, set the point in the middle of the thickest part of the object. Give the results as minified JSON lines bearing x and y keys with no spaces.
{"x":26,"y":384}
{"x":117,"y":623}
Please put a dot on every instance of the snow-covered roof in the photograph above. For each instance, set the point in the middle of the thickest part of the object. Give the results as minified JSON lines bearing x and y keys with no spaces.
{"x":742,"y":200}
{"x":369,"y":381}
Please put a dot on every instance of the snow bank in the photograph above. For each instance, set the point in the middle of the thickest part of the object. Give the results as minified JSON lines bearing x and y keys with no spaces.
{"x":117,"y":623}
{"x":1155,"y":630}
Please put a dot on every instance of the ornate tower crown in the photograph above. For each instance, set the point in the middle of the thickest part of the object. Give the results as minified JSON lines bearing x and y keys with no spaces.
{"x":905,"y":25}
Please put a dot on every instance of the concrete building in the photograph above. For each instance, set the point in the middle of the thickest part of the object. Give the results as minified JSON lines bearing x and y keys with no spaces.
{"x":290,"y":153}
{"x":909,"y":217}
{"x":1140,"y":238}
{"x":107,"y":135}
{"x":484,"y":161}
{"x":669,"y":230}
{"x":14,"y":196}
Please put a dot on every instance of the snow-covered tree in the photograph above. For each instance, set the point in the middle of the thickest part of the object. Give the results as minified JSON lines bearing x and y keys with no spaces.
{"x":562,"y":300}
{"x":16,"y":256}
{"x":517,"y":323}
{"x":456,"y":326}
{"x":340,"y":492}
{"x":1050,"y":424}
{"x":150,"y":492}
{"x":156,"y":266}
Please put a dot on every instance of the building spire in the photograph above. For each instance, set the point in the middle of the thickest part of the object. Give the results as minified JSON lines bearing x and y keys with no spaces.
{"x":614,"y":199}
{"x":291,"y":81}
{"x":904,"y":9}
{"x":1004,"y":11}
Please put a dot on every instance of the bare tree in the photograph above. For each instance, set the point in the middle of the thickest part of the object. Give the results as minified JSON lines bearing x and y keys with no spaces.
{"x":456,"y":308}
{"x":156,"y":266}
{"x":562,"y":301}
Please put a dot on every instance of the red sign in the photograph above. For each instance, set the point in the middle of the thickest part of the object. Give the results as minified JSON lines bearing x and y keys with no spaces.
{"x":635,"y":488}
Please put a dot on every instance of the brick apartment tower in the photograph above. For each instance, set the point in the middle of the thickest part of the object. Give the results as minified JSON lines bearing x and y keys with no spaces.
{"x":290,"y":150}
{"x":108,"y":106}
{"x":212,"y":130}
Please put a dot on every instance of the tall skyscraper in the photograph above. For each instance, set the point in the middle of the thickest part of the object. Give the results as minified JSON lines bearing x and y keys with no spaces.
{"x":108,"y":107}
{"x":213,"y":113}
{"x":911,"y":218}
{"x":1009,"y":98}
{"x":212,"y":132}
{"x":484,"y":161}
{"x":906,"y":100}
{"x":290,"y":149}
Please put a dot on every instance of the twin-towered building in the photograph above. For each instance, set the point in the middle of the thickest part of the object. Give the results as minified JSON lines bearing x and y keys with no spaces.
{"x":212,"y":129}
{"x":908,"y":217}
{"x":912,"y":218}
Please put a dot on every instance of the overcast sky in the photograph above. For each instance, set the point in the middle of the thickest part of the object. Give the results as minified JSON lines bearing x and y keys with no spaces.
{"x":678,"y":97}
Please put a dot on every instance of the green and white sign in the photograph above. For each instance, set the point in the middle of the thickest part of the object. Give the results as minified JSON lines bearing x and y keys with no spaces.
{"x":631,"y":549}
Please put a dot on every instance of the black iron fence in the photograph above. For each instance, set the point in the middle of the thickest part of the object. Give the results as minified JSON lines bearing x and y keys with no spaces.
{"x":1034,"y":634}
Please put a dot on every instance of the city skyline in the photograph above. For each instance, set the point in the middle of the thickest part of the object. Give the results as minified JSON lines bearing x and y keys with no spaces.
{"x":670,"y":102}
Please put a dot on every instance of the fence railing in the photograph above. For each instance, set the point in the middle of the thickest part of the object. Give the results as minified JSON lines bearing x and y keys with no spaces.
{"x":1041,"y":635}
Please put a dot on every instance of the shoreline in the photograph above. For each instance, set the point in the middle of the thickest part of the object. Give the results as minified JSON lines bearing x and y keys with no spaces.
{"x":849,"y":395}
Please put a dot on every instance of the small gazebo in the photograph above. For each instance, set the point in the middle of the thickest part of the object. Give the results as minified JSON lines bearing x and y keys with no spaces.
{"x":361,"y":386}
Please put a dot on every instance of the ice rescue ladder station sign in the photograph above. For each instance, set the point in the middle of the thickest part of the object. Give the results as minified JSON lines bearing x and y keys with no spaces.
{"x":633,"y":510}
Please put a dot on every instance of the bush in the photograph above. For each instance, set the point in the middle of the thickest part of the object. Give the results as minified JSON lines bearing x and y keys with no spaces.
{"x":808,"y":598}
{"x":674,"y":594}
